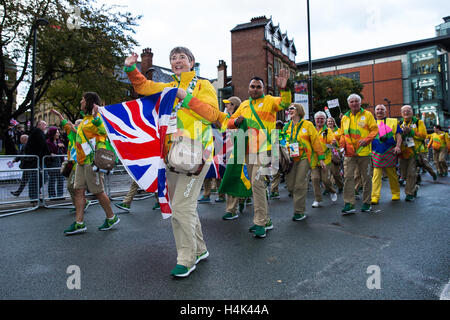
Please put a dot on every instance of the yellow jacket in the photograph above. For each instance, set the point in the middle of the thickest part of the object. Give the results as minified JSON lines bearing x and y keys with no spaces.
{"x":91,"y":133}
{"x":439,"y":141}
{"x":326,"y":136}
{"x":305,"y":134}
{"x":418,"y":133}
{"x":189,"y":122}
{"x":266,"y":108}
{"x":354,"y":128}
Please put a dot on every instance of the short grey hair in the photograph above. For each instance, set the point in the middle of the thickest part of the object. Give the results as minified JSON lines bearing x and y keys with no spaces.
{"x":381,"y":106}
{"x":184,"y":50}
{"x":320,"y":113}
{"x":353,"y":96}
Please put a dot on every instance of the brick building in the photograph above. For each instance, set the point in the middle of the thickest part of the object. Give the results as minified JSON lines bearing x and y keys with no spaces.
{"x":414,"y":73}
{"x":259,"y":48}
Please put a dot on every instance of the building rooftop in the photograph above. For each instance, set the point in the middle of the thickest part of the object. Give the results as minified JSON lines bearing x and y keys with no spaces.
{"x":381,"y":52}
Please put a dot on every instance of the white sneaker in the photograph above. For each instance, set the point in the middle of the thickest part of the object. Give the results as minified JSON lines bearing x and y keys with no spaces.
{"x":333,"y":197}
{"x":316,"y":204}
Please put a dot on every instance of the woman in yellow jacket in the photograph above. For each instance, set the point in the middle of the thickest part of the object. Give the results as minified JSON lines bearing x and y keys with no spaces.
{"x":303,"y":143}
{"x":440,"y":142}
{"x":336,"y":156}
{"x":318,"y":174}
{"x":183,"y":189}
{"x":91,"y":135}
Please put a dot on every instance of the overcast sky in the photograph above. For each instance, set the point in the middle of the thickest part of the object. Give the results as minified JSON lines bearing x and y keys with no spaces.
{"x":337,"y":27}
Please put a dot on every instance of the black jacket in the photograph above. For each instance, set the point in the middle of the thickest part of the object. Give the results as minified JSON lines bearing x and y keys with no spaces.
{"x":36,"y":145}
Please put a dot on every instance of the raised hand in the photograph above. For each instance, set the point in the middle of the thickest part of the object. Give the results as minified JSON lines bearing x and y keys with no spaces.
{"x":282,"y":78}
{"x":129,"y":61}
{"x":57,"y":114}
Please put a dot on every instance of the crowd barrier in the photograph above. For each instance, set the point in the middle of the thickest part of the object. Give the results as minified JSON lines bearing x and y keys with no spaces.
{"x":52,"y":192}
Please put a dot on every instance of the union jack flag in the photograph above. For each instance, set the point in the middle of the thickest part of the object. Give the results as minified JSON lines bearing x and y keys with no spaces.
{"x":137,"y":130}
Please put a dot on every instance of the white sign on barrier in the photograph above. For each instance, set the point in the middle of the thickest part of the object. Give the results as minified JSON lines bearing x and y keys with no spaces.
{"x":6,"y":169}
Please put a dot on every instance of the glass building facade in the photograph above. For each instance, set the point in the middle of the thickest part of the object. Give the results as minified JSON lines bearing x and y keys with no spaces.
{"x":428,"y":84}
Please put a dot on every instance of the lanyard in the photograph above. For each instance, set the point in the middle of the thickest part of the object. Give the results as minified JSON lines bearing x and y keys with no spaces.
{"x":292,"y":129}
{"x":189,"y":90}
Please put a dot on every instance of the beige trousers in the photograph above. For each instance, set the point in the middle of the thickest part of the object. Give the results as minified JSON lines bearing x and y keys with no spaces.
{"x":260,"y":206}
{"x":130,"y":195}
{"x":408,"y":169}
{"x":335,"y":172}
{"x":275,"y":182}
{"x":440,"y":160}
{"x":187,"y":230}
{"x":232,"y":203}
{"x":364,"y":166}
{"x":297,"y":184}
{"x":320,"y":174}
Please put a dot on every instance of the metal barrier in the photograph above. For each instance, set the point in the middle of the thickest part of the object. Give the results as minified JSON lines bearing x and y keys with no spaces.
{"x":118,"y":183}
{"x":52,"y":186}
{"x":13,"y":182}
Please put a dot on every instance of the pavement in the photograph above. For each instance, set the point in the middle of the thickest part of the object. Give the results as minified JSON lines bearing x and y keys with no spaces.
{"x":398,"y":251}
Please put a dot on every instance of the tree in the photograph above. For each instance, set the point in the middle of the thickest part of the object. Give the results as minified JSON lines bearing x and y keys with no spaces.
{"x":82,"y":40}
{"x":327,"y":88}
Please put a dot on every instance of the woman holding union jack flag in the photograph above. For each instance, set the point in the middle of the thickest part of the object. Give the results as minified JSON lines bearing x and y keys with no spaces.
{"x":184,"y":189}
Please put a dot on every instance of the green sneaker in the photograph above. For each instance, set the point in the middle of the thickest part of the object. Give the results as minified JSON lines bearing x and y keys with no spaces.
{"x":182,"y":271}
{"x":410,"y":198}
{"x":348,"y":208}
{"x":202,"y":256}
{"x":156,"y":206}
{"x":75,"y":228}
{"x":299,"y":216}
{"x":230,"y":216}
{"x":366,"y":207}
{"x":124,"y":206}
{"x":204,"y":199}
{"x":274,"y":195}
{"x":109,"y":223}
{"x":268,"y":226}
{"x":260,"y":232}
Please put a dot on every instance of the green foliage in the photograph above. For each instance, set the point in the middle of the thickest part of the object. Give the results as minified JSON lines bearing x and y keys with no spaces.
{"x":327,"y":88}
{"x":69,"y":58}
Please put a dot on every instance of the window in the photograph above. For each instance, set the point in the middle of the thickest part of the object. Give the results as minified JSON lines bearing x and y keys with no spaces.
{"x":270,"y":76}
{"x":351,"y":75}
{"x":277,"y":66}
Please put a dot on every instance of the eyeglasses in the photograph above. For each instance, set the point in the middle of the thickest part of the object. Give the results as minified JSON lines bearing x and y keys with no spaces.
{"x":255,"y":87}
{"x":292,"y":108}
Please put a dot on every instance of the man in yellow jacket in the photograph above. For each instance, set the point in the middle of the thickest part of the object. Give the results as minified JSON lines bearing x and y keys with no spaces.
{"x":385,"y":148}
{"x":440,"y":142}
{"x":414,"y":134}
{"x":358,"y":128}
{"x":259,"y":113}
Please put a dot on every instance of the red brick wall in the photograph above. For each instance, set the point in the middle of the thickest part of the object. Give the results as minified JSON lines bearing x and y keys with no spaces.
{"x":248,"y":59}
{"x":382,"y":80}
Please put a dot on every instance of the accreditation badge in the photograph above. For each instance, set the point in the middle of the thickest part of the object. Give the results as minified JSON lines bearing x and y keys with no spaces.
{"x":409,"y":142}
{"x":294,"y":150}
{"x":172,"y":126}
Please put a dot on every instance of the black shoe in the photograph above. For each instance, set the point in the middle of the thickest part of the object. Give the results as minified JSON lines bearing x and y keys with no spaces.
{"x":16,"y":193}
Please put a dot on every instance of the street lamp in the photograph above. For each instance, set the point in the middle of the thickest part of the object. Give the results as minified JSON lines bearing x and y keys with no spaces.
{"x":37,"y":23}
{"x":389,"y":105}
{"x":310,"y":84}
